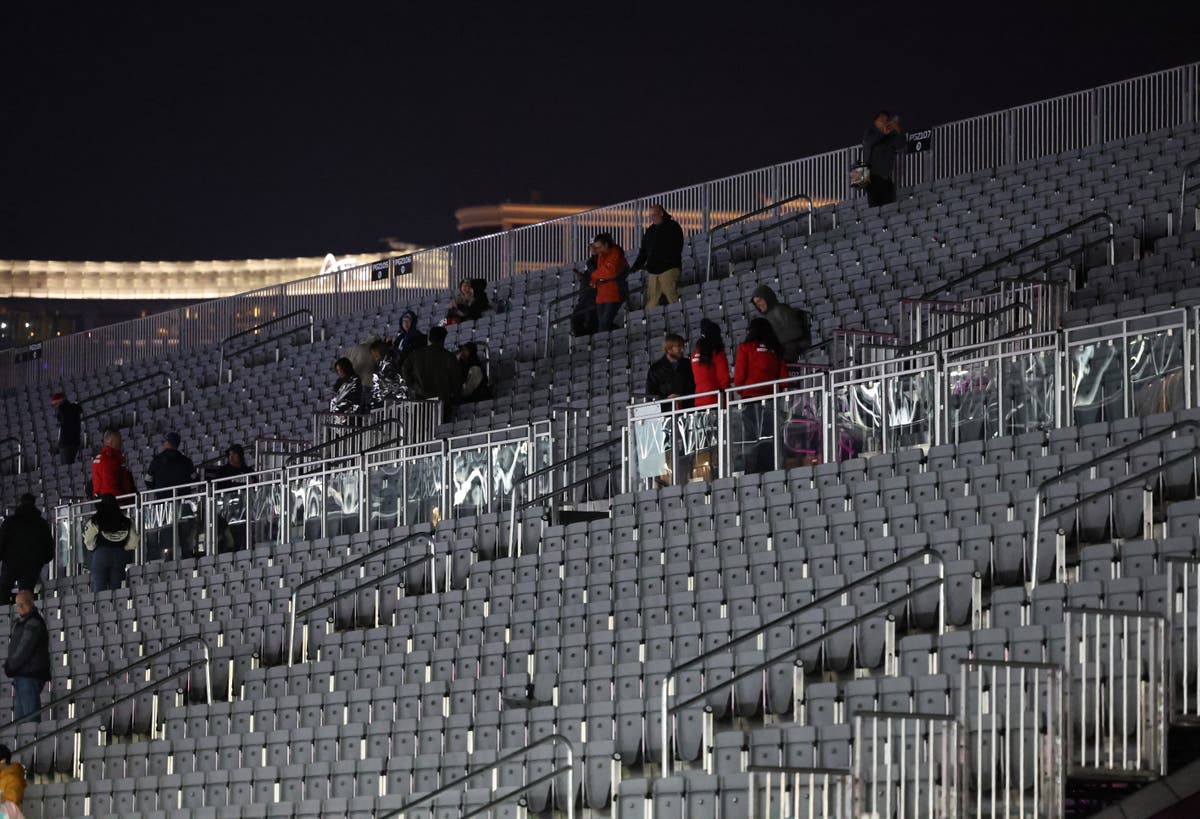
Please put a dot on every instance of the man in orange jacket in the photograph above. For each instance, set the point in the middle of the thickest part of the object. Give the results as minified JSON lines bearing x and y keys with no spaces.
{"x":110,"y":475}
{"x":606,"y":278}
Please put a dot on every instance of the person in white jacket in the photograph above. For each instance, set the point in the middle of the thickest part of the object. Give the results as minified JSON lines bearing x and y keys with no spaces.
{"x":111,"y":540}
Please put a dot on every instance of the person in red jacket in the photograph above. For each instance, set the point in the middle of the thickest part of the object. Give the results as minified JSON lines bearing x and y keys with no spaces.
{"x":611,"y":265}
{"x":760,"y":359}
{"x":110,"y":475}
{"x":710,"y":367}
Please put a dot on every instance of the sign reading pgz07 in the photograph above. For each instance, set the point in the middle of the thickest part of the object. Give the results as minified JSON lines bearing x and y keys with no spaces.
{"x":920,"y":140}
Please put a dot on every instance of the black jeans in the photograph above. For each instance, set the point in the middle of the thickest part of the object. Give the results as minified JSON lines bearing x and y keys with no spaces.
{"x":880,"y":191}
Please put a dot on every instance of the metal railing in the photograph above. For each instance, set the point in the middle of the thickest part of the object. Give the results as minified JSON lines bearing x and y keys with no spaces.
{"x":912,"y":769}
{"x":1044,"y":128}
{"x":13,"y":456}
{"x":1116,"y":667}
{"x":272,"y":453}
{"x":339,"y":570}
{"x":1183,"y":634}
{"x":778,"y":223}
{"x":1012,"y":713}
{"x":1119,"y":452}
{"x":1183,"y":188}
{"x":259,"y":342}
{"x":816,"y":793}
{"x":572,"y":755}
{"x":123,"y":386}
{"x":817,"y":603}
{"x":1010,"y":257}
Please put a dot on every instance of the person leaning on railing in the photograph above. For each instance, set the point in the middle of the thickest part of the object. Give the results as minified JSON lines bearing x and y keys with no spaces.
{"x":759,"y":360}
{"x":110,"y":475}
{"x":111,"y":539}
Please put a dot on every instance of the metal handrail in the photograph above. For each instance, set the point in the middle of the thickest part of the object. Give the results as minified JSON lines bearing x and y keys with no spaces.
{"x":314,"y":451}
{"x":924,"y":556}
{"x":517,"y":754}
{"x":1050,"y":237}
{"x":260,"y":342}
{"x":1183,"y":188}
{"x":762,"y":229}
{"x":11,"y":455}
{"x":112,"y":675}
{"x":524,"y":480}
{"x":975,"y":318}
{"x":336,"y":570}
{"x":113,"y":703}
{"x":124,"y":385}
{"x":1029,"y":275}
{"x":1087,"y":467}
{"x":794,"y":650}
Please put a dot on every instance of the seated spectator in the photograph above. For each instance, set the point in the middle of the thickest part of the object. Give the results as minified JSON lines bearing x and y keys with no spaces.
{"x":710,"y":367}
{"x":759,"y":360}
{"x":671,"y":375}
{"x":12,"y":780}
{"x":386,"y":384}
{"x":434,"y":372}
{"x":611,"y":266}
{"x":347,"y":390}
{"x":170,"y":467}
{"x":469,"y":302}
{"x":475,"y":380}
{"x":110,"y":475}
{"x":792,"y":327}
{"x":583,"y":317}
{"x":111,"y":539}
{"x":26,"y":546}
{"x":409,"y":338}
{"x":234,"y":466}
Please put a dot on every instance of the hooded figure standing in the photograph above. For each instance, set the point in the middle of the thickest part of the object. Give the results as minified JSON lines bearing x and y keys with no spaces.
{"x":792,"y":327}
{"x":26,"y":545}
{"x":409,"y":338}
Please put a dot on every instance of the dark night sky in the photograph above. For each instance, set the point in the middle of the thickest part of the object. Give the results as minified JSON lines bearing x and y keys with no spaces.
{"x":225,"y":131}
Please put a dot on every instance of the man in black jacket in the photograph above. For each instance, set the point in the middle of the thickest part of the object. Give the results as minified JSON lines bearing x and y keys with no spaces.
{"x":671,"y":376}
{"x":26,"y":545}
{"x":28,"y":663}
{"x":434,"y":372}
{"x":661,"y":256}
{"x":882,"y":141}
{"x":170,"y":468}
{"x":69,"y":416}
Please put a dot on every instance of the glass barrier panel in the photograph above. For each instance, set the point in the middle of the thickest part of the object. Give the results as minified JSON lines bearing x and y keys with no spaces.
{"x":424,"y":488}
{"x":509,"y":463}
{"x":858,"y":413}
{"x":343,"y":501}
{"x":911,"y":409}
{"x":650,"y":440}
{"x":470,"y":481}
{"x":1157,"y":372}
{"x":1097,"y":381}
{"x":306,"y":505}
{"x":172,"y":527}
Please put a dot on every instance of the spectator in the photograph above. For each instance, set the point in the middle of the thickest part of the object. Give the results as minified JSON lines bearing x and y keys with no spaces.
{"x":386,"y":383}
{"x":671,"y":375}
{"x":792,"y":327}
{"x":235,"y":463}
{"x":69,"y":416}
{"x":611,"y":266}
{"x":26,"y":545}
{"x":434,"y":372}
{"x":759,"y":359}
{"x":110,"y":537}
{"x":469,"y":302}
{"x":110,"y":475}
{"x":583,"y":317}
{"x":409,"y":338}
{"x":347,"y":390}
{"x":882,"y":141}
{"x":12,"y":781}
{"x":170,"y":467}
{"x":475,"y":380}
{"x":28,"y":663}
{"x":710,"y":367}
{"x":661,"y":256}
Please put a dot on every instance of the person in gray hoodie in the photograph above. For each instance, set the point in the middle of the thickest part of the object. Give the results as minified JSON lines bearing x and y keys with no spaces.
{"x":792,"y":327}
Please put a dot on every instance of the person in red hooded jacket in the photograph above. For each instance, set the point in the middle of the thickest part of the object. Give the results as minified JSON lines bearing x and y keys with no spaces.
{"x":110,"y":475}
{"x":606,"y":278}
{"x":760,"y":359}
{"x":710,"y":367}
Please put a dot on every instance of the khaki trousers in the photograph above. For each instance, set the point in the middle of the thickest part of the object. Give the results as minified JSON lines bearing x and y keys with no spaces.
{"x":662,"y":284}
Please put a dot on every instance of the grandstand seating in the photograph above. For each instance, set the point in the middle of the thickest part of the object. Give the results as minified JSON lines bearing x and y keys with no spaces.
{"x":392,"y":692}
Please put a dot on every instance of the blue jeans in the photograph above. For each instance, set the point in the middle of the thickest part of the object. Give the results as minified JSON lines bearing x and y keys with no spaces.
{"x":606,"y":314}
{"x":27,"y":696}
{"x":108,"y":568}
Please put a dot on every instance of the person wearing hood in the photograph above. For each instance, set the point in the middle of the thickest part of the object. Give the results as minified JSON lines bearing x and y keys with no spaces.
{"x":409,"y":338}
{"x":386,"y":383}
{"x":661,"y":256}
{"x":111,"y":540}
{"x":347,"y":390}
{"x":110,"y":475}
{"x":792,"y":327}
{"x":710,"y":366}
{"x":26,"y":545}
